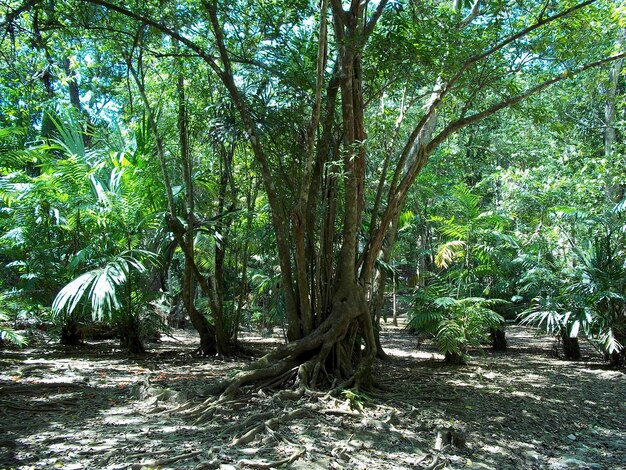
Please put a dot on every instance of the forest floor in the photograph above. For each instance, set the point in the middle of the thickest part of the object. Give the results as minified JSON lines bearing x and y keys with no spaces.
{"x":94,"y":407}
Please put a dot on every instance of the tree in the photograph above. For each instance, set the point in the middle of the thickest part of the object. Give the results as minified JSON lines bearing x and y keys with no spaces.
{"x":305,"y":106}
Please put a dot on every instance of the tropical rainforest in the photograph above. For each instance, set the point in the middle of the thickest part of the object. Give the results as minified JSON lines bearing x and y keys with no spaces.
{"x":312,"y":234}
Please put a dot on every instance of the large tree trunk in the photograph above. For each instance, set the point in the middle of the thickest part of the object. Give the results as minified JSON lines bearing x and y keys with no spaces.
{"x":340,"y":350}
{"x":198,"y":320}
{"x":379,"y":284}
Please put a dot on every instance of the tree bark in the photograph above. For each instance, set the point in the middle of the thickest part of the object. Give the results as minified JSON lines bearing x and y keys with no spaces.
{"x":498,"y":339}
{"x":571,"y":348}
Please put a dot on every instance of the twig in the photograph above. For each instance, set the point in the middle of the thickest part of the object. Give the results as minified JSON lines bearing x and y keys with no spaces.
{"x":147,"y":454}
{"x":352,"y":414}
{"x":160,"y":463}
{"x":264,"y":464}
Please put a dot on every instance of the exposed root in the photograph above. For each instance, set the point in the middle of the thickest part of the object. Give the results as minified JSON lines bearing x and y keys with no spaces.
{"x":207,"y":409}
{"x":272,"y":423}
{"x":145,"y":391}
{"x":234,"y":428}
{"x":277,"y":381}
{"x":152,"y":453}
{"x":171,"y":460}
{"x":292,"y":395}
{"x":271,"y":464}
{"x":310,"y":353}
{"x":352,"y":414}
{"x":205,"y":417}
{"x":436,"y":464}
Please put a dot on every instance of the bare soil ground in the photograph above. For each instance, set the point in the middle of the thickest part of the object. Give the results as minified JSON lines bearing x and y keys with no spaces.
{"x":94,"y":407}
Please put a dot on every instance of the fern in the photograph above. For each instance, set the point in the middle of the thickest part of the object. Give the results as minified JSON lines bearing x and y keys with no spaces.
{"x":449,"y":253}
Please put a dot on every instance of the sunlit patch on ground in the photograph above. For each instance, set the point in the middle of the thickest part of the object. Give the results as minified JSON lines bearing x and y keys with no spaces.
{"x":93,"y":407}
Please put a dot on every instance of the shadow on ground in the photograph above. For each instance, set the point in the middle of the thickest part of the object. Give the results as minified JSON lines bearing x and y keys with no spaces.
{"x":96,"y":408}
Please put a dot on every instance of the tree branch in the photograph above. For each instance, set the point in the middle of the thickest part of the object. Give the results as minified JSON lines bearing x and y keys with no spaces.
{"x":339,"y":11}
{"x":446,"y":88}
{"x":399,"y":193}
{"x":540,"y":22}
{"x":473,"y":14}
{"x":210,"y":60}
{"x":369,"y":27}
{"x":11,"y":16}
{"x":464,"y":122}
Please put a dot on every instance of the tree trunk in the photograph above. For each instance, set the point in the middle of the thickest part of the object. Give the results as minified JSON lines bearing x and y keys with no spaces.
{"x":380,"y":283}
{"x":455,"y":358}
{"x":199,"y":321}
{"x":251,"y":196}
{"x":70,"y":336}
{"x":498,"y":339}
{"x":130,"y":338}
{"x":617,"y":358}
{"x":571,"y":348}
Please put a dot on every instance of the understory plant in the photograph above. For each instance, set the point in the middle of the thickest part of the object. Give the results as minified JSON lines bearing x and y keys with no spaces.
{"x":457,"y":323}
{"x":7,"y":334}
{"x":111,"y":293}
{"x":465,"y":300}
{"x":90,"y":204}
{"x":585,"y":292}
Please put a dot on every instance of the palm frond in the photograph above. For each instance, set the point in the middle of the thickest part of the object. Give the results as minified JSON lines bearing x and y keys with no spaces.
{"x":449,"y":253}
{"x":450,"y":337}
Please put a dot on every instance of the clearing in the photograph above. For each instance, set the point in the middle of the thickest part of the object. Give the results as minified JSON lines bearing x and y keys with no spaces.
{"x":94,"y":407}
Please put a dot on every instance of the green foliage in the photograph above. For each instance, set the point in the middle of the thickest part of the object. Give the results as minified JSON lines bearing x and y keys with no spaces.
{"x":8,"y":334}
{"x":100,"y":290}
{"x":78,"y":220}
{"x":356,"y":400}
{"x":585,"y":292}
{"x":457,"y":323}
{"x":267,"y":308}
{"x":83,"y":201}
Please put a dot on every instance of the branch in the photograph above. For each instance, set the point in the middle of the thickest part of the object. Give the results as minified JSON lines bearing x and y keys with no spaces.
{"x":317,"y":105}
{"x":473,"y":14}
{"x":339,"y":12}
{"x":464,"y":122}
{"x":399,"y":193}
{"x":440,"y":94}
{"x":540,"y":22}
{"x":210,"y":60}
{"x":369,"y":27}
{"x":11,"y":16}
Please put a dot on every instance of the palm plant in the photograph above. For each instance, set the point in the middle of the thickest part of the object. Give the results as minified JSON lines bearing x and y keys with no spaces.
{"x":457,"y":323}
{"x":588,"y":297}
{"x":108,"y":293}
{"x":112,"y":287}
{"x":7,"y":334}
{"x":473,"y":256}
{"x":81,"y":220}
{"x":600,"y":289}
{"x":269,"y":304}
{"x":554,"y":316}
